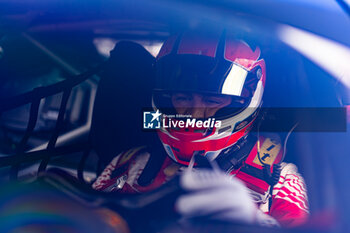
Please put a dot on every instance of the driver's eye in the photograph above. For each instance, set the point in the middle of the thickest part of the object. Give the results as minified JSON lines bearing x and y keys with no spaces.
{"x":213,"y":102}
{"x":182,"y":98}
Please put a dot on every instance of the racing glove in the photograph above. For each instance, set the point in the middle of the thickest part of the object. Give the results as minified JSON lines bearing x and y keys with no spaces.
{"x":215,"y":195}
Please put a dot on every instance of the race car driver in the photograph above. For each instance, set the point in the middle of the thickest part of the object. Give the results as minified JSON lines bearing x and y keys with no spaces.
{"x":219,"y":78}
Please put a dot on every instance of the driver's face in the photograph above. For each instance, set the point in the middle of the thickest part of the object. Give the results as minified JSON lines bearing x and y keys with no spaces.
{"x":197,"y":105}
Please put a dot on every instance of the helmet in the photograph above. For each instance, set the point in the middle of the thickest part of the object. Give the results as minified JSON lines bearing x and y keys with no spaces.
{"x":209,"y":64}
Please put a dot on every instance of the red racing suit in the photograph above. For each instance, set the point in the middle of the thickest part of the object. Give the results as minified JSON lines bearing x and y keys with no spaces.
{"x":288,"y":203}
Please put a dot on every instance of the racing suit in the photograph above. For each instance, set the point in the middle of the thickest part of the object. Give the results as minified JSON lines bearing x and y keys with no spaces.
{"x":286,"y":202}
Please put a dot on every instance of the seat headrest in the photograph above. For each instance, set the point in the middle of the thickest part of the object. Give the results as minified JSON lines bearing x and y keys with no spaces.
{"x":125,"y":88}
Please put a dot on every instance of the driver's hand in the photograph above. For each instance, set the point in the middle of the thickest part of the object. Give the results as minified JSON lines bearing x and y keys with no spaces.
{"x":215,"y":195}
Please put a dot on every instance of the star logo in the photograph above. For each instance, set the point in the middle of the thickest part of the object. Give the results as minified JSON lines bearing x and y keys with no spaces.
{"x":156,"y":115}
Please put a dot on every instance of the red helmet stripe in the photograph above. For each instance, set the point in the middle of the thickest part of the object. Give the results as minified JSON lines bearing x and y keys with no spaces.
{"x":241,"y":53}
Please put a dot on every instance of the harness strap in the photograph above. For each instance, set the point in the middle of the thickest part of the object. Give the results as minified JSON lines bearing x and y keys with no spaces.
{"x":233,"y":157}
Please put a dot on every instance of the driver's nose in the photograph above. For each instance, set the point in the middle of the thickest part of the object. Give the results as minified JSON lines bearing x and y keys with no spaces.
{"x":198,"y":113}
{"x":199,"y":107}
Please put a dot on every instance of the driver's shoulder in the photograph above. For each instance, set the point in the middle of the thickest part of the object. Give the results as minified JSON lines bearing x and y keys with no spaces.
{"x":126,"y":160}
{"x":290,"y":176}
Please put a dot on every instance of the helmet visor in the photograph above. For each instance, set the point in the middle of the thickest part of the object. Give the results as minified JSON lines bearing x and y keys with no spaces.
{"x":196,"y":73}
